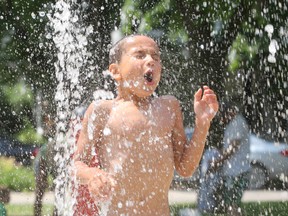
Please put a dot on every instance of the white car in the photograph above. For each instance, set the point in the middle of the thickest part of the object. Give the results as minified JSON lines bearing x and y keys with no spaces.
{"x":269,"y":161}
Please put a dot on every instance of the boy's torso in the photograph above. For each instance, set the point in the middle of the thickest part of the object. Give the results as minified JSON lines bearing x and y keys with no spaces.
{"x":137,"y":149}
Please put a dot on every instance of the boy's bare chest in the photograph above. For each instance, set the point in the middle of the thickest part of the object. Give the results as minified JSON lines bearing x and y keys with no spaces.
{"x":139,"y":139}
{"x":133,"y":120}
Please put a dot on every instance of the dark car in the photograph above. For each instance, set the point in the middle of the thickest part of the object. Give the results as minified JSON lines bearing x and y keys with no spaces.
{"x":23,"y":153}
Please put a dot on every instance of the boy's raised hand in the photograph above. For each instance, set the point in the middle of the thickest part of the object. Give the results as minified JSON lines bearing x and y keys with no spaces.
{"x":205,"y":107}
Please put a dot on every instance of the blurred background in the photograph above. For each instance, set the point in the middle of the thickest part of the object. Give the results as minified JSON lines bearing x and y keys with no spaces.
{"x":238,"y":48}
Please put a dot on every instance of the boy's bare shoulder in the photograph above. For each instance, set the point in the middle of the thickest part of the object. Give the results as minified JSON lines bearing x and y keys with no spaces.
{"x":169,"y":99}
{"x":103,"y":104}
{"x":100,"y":107}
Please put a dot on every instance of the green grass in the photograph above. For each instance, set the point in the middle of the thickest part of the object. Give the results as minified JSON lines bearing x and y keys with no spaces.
{"x":266,"y":208}
{"x":15,"y":176}
{"x":27,"y":210}
{"x":251,"y":209}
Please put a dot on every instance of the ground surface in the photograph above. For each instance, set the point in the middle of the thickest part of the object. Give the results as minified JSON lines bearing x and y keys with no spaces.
{"x":174,"y":197}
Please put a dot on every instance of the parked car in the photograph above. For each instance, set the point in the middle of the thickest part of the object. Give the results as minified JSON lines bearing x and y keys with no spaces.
{"x":269,"y":161}
{"x":22,"y":153}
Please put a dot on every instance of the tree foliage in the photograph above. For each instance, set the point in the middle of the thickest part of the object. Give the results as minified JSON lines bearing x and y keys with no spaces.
{"x":239,"y":48}
{"x":24,"y":68}
{"x":228,"y":45}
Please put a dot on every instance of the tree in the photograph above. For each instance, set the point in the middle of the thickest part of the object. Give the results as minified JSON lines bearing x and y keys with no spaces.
{"x":23,"y":66}
{"x":209,"y":41}
{"x":28,"y":54}
{"x":221,"y":44}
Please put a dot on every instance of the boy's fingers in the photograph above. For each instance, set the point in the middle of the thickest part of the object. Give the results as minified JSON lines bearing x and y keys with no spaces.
{"x":198,"y":94}
{"x":211,"y":98}
{"x":204,"y":92}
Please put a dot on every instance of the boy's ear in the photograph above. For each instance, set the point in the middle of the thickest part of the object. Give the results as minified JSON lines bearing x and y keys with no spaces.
{"x":114,"y":70}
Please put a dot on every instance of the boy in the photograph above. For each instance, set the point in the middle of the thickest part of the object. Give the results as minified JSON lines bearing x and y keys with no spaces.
{"x":138,"y":139}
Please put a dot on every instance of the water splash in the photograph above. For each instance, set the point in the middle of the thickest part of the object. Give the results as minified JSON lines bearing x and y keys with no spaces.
{"x":273,"y":46}
{"x":70,"y":40}
{"x":70,"y":37}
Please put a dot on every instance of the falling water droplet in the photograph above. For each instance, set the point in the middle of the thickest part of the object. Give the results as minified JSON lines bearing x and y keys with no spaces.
{"x":106,"y":131}
{"x":120,"y":205}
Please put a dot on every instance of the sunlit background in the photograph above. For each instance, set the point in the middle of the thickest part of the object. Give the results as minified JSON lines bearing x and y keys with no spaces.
{"x":238,"y":48}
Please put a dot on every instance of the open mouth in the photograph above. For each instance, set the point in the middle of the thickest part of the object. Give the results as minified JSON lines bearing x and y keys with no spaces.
{"x":148,"y":76}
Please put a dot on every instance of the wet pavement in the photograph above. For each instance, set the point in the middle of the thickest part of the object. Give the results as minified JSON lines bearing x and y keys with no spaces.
{"x":174,"y":197}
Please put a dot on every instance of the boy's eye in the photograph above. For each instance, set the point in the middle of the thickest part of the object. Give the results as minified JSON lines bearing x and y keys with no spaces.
{"x":140,"y":55}
{"x":143,"y":55}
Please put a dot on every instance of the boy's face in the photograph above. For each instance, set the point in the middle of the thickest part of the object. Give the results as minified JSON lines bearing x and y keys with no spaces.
{"x":140,"y":66}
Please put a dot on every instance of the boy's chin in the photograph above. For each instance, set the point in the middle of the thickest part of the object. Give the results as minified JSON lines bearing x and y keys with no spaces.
{"x":144,"y":94}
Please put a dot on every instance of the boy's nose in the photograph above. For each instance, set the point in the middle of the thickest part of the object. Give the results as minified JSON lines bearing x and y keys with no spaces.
{"x":150,"y":61}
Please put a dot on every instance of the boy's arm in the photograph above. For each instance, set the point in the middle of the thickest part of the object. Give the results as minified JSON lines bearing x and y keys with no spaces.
{"x":187,"y":155}
{"x":82,"y":155}
{"x":99,"y":182}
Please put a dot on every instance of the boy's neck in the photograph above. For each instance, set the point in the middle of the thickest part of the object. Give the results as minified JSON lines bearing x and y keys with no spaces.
{"x":137,"y":101}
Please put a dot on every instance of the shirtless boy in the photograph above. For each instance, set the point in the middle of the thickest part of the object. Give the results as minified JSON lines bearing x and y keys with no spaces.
{"x":139,"y":139}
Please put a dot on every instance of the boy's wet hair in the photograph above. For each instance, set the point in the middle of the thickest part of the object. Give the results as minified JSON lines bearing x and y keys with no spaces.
{"x":116,"y":50}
